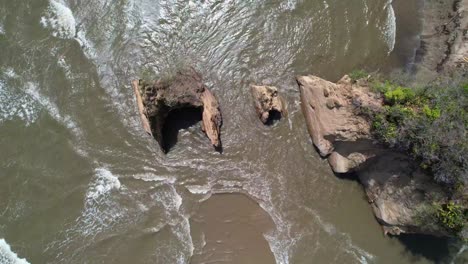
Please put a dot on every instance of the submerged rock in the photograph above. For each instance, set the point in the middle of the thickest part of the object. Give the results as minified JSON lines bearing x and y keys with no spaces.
{"x":184,"y":90}
{"x":268,"y":104}
{"x":396,"y":187}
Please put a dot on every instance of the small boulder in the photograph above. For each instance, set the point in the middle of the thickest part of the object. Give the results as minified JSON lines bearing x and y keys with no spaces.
{"x":268,"y":104}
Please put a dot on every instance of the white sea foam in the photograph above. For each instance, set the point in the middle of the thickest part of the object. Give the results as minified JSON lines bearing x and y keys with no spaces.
{"x":149,"y":177}
{"x":2,"y":30}
{"x":366,"y":12}
{"x":199,"y":189}
{"x":105,"y":182}
{"x":17,"y":105}
{"x":7,"y":256}
{"x":325,"y":4}
{"x":389,"y":27}
{"x":33,"y":91}
{"x":59,"y":18}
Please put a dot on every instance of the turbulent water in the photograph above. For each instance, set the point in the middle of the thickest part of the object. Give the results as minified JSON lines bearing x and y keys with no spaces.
{"x":82,"y":183}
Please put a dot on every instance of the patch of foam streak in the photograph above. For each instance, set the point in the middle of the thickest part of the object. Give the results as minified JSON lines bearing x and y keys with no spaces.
{"x":361,"y":255}
{"x":100,"y":213}
{"x":366,"y":11}
{"x":389,"y":29}
{"x":178,"y":222}
{"x":14,"y":105}
{"x":150,"y":177}
{"x":33,"y":92}
{"x":7,"y":256}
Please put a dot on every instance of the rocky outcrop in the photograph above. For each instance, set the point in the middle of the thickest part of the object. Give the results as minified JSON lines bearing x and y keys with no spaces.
{"x":399,"y":191}
{"x":184,"y":90}
{"x":444,"y":37}
{"x":331,"y":115}
{"x":268,"y":104}
{"x":396,"y":187}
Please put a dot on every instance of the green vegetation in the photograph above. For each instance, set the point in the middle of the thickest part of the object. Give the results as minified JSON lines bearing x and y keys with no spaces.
{"x":358,"y":74}
{"x":399,"y":95}
{"x":429,"y":123}
{"x":451,"y":216}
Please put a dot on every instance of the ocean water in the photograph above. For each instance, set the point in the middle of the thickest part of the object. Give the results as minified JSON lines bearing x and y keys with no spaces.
{"x":82,"y":183}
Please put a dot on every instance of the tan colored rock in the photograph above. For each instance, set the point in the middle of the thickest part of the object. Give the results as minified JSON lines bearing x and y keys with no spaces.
{"x":267,"y":102}
{"x":212,"y":120}
{"x":184,"y":90}
{"x":329,"y":110}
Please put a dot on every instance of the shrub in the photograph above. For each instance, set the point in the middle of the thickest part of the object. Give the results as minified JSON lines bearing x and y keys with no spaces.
{"x":399,"y":95}
{"x":451,"y":216}
{"x":358,"y":74}
{"x":432,"y":114}
{"x":381,"y":87}
{"x":430,"y":124}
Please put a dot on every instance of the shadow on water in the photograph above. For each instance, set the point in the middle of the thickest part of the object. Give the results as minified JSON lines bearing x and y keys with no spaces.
{"x":177,"y":120}
{"x":273,"y":118}
{"x":435,"y":249}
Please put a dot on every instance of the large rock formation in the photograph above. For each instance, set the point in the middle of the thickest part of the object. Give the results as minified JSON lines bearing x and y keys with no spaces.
{"x":268,"y":104}
{"x":185,"y":90}
{"x":396,"y":187}
{"x":332,"y":120}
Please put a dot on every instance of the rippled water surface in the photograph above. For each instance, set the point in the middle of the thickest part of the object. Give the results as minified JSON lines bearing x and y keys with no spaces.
{"x":82,"y":183}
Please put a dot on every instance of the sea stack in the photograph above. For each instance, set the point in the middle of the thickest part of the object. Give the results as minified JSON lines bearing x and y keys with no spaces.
{"x":183,"y":90}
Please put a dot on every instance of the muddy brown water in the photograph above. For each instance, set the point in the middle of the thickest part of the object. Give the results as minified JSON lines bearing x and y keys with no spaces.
{"x":82,"y":183}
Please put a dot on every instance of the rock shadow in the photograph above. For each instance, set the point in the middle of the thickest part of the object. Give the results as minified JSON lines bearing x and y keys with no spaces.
{"x":435,"y":249}
{"x":176,"y":120}
{"x":274,"y":117}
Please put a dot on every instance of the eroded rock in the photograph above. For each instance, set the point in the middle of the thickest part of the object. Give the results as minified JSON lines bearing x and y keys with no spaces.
{"x":330,"y":112}
{"x":396,"y":187}
{"x":268,"y":103}
{"x":184,"y":90}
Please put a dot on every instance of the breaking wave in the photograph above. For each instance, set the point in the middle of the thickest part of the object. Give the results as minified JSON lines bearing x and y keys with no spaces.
{"x":7,"y":256}
{"x":60,"y":20}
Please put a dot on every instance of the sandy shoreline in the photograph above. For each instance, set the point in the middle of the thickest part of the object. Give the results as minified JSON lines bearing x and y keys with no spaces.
{"x":444,"y":38}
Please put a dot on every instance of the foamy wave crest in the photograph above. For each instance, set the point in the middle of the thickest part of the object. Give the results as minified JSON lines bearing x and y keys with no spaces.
{"x":61,"y":21}
{"x":9,"y":257}
{"x":59,"y":18}
{"x":17,"y":105}
{"x":389,"y":28}
{"x":100,"y":210}
{"x":105,"y":182}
